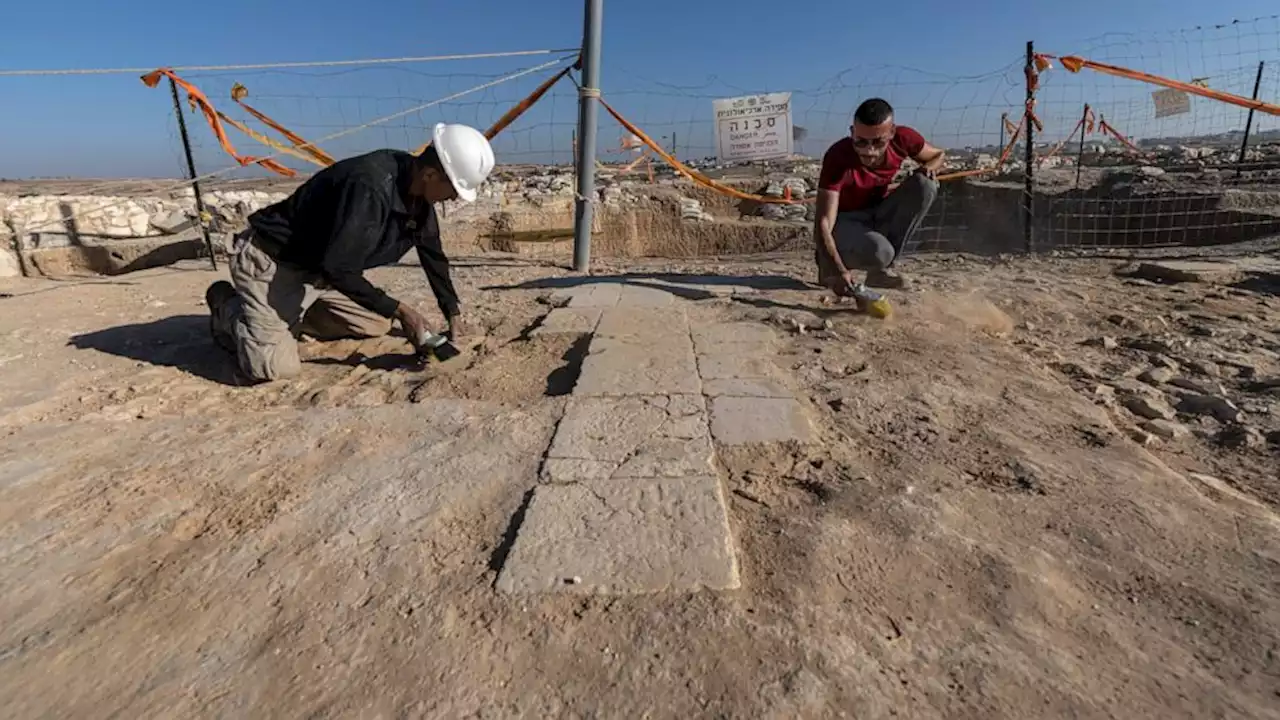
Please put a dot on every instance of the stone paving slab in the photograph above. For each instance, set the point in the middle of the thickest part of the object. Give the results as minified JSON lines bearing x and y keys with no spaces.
{"x":648,"y":323}
{"x":604,"y":294}
{"x":633,"y":295}
{"x":623,"y":538}
{"x":639,"y":367}
{"x":576,"y":321}
{"x":745,"y":387}
{"x":746,"y":420}
{"x":734,"y":366}
{"x":601,"y":438}
{"x":738,"y":337}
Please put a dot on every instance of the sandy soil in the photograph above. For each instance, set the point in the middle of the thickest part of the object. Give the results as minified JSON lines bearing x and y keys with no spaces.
{"x":982,"y":532}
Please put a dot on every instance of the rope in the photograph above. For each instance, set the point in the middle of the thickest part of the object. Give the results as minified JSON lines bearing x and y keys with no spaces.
{"x":1075,"y":64}
{"x":271,"y":66}
{"x":318,"y":156}
{"x":516,"y":111}
{"x":342,"y":133}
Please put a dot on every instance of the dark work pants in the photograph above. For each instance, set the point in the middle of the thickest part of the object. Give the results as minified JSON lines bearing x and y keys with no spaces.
{"x":873,"y":239}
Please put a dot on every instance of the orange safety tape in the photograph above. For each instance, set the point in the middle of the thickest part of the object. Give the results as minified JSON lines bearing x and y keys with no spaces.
{"x":198,"y":99}
{"x":689,"y":172}
{"x":273,"y":144}
{"x":1064,"y":142}
{"x":1004,"y":157}
{"x":1104,"y":127}
{"x":515,"y":112}
{"x":710,"y":184}
{"x":240,"y":92}
{"x":1075,"y":63}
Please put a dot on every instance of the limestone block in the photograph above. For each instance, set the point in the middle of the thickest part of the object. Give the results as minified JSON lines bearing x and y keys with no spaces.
{"x":734,"y":365}
{"x":569,"y":320}
{"x":607,"y":437}
{"x":646,"y":323}
{"x":746,"y":420}
{"x":624,"y":538}
{"x":627,"y":366}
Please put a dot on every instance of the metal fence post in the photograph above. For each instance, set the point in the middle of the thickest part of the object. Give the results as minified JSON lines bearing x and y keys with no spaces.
{"x":587,"y":112}
{"x":1084,"y":129}
{"x":1028,"y":187}
{"x":1004,"y":118}
{"x":1248,"y":124}
{"x":191,"y":172}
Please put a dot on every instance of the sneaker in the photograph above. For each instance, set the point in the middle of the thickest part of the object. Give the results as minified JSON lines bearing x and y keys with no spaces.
{"x":216,"y":297}
{"x":886,"y":279}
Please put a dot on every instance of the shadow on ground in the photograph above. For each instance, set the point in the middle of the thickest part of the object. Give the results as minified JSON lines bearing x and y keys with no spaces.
{"x":686,"y":285}
{"x":180,"y":342}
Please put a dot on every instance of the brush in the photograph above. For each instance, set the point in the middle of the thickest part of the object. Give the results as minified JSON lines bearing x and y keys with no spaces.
{"x":437,"y":346}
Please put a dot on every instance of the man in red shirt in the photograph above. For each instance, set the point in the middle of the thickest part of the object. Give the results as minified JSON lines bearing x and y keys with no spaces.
{"x":862,"y":223}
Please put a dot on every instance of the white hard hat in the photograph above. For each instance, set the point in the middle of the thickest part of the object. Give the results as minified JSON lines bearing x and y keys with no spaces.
{"x":466,"y":156}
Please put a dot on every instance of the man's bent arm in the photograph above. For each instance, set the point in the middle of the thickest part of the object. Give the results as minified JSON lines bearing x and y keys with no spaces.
{"x":825,"y":221}
{"x":931,"y":158}
{"x":361,"y":214}
{"x":436,"y":265}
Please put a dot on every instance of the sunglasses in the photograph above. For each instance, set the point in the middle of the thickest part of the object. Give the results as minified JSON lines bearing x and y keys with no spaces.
{"x":876,"y":143}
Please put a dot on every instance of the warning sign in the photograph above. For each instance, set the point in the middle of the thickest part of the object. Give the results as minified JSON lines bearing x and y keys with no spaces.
{"x":1171,"y":102}
{"x":755,"y":127}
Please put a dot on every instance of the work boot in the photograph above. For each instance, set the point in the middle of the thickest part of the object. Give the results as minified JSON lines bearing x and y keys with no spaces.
{"x":216,"y":297}
{"x":886,"y":279}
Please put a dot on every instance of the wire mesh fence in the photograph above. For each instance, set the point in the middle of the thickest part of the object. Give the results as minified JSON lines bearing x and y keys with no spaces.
{"x":1117,"y":162}
{"x":1163,"y":167}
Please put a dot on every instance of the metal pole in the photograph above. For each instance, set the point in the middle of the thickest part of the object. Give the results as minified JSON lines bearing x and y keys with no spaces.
{"x":1004,"y":117}
{"x":587,"y":112}
{"x":1248,"y":124}
{"x":674,"y":153}
{"x":191,"y":172}
{"x":1084,"y":128}
{"x":1028,"y":187}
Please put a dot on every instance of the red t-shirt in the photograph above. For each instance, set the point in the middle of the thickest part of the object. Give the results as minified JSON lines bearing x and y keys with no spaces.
{"x":862,"y":187}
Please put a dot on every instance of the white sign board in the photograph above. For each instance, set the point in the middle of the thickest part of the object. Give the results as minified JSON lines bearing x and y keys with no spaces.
{"x":755,"y":127}
{"x":1171,"y":102}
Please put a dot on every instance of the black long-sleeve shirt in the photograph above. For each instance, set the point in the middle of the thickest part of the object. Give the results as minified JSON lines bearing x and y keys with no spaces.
{"x":354,"y":215}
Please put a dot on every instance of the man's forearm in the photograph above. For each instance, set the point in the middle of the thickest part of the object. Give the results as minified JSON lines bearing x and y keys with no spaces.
{"x":935,"y":163}
{"x":364,"y":293}
{"x":828,"y":239}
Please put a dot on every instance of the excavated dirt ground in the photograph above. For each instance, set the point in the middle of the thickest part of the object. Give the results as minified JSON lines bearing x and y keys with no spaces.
{"x":980,"y":532}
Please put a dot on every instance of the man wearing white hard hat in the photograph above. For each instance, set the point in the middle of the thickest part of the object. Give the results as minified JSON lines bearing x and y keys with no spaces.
{"x":299,"y":268}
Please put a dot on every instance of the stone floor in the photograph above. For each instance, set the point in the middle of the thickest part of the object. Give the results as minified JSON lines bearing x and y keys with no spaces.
{"x":629,"y":498}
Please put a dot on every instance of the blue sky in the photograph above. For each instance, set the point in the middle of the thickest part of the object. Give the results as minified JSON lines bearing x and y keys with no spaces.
{"x":664,"y":61}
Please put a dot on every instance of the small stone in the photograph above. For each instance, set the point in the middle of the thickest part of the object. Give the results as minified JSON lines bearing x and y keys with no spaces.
{"x":1075,"y":370}
{"x":1147,"y":344}
{"x":1167,"y":429}
{"x":1156,"y":376}
{"x":1106,"y":342}
{"x":1216,"y":405}
{"x":1148,"y":407}
{"x":1141,"y":437}
{"x":1164,"y":361}
{"x":1241,"y":437}
{"x":1203,"y":387}
{"x":1202,"y":367}
{"x":836,"y":404}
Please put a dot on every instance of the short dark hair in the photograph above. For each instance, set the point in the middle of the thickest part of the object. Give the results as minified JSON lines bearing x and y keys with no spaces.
{"x":873,"y":112}
{"x":430,"y":159}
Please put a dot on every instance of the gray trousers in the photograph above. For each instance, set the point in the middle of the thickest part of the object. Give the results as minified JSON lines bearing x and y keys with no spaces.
{"x":274,"y":304}
{"x":873,"y":239}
